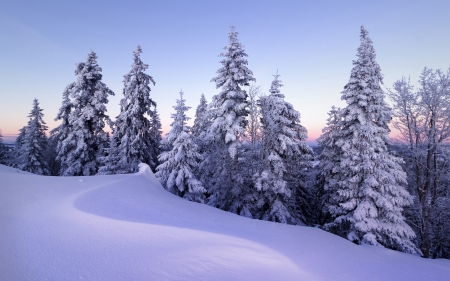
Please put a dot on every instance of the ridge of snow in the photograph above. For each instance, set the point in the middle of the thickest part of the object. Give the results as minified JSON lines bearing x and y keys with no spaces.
{"x":127,"y":227}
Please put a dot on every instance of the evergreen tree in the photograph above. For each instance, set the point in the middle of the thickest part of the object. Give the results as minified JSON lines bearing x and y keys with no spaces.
{"x":51,"y":154}
{"x":131,"y":131}
{"x":60,"y":133}
{"x":81,"y":137}
{"x":283,"y":145}
{"x":156,"y":138}
{"x":20,"y":138}
{"x":111,"y":162}
{"x":229,"y":109}
{"x":366,"y":181}
{"x":202,"y":123}
{"x":329,"y":155}
{"x":13,"y":157}
{"x":3,"y":150}
{"x":7,"y":155}
{"x":175,"y":170}
{"x":200,"y":126}
{"x":33,"y":143}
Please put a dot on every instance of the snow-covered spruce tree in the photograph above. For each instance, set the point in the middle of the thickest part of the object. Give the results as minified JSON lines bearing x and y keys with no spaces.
{"x":220,"y":169}
{"x":34,"y":143}
{"x":176,"y":169}
{"x":14,"y":158}
{"x":50,"y":156}
{"x":156,"y":138}
{"x":328,"y":157}
{"x":131,"y":131}
{"x":110,"y":162}
{"x":366,"y":181}
{"x":81,"y":139}
{"x":7,"y":155}
{"x":3,"y":150}
{"x":1,"y":146}
{"x":200,"y":124}
{"x":60,"y":133}
{"x":283,"y":146}
{"x":20,"y":139}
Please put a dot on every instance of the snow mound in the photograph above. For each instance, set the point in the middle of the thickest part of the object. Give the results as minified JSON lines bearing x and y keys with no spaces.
{"x":127,"y":227}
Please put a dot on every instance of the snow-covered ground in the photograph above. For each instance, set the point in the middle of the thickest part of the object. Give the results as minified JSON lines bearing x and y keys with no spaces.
{"x":127,"y":227}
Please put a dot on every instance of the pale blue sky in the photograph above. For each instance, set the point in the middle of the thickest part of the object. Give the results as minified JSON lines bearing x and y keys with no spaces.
{"x":311,"y":43}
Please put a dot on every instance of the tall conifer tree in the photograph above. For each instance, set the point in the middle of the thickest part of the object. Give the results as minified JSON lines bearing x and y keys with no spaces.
{"x":81,"y":137}
{"x":34,"y":143}
{"x":131,"y":132}
{"x":3,"y":151}
{"x":176,"y":169}
{"x":283,"y":146}
{"x":132,"y":127}
{"x":366,"y":181}
{"x":60,"y":133}
{"x":329,"y":156}
{"x":20,"y":139}
{"x":156,"y":138}
{"x":229,"y":108}
{"x":200,"y":125}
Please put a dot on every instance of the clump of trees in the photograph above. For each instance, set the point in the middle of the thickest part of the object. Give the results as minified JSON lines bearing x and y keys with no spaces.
{"x":422,"y":118}
{"x":247,"y":154}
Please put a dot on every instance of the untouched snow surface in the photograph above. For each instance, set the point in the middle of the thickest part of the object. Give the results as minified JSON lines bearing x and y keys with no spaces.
{"x":127,"y":227}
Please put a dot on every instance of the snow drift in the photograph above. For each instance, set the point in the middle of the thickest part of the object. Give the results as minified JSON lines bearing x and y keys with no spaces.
{"x":127,"y":227}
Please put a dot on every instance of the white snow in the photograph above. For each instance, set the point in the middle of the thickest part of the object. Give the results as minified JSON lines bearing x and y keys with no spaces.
{"x":127,"y":227}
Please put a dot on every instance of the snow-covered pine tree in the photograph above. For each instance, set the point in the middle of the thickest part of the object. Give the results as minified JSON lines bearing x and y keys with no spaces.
{"x":50,"y":156}
{"x":156,"y":138}
{"x":81,"y":137}
{"x":34,"y":143}
{"x":220,"y":168}
{"x":110,"y":163}
{"x":3,"y":150}
{"x":283,"y":145}
{"x":14,"y":158}
{"x":20,"y":138}
{"x":328,"y":157}
{"x":366,"y":181}
{"x":200,"y":126}
{"x":60,"y":133}
{"x":176,"y":169}
{"x":131,"y":130}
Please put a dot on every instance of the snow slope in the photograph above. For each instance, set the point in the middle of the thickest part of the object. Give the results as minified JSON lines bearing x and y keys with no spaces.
{"x":127,"y":227}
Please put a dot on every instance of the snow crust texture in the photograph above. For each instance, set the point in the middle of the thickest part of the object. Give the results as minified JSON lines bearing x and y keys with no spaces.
{"x":127,"y":227}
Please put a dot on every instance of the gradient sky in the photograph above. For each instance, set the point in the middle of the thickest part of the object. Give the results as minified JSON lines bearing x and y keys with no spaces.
{"x":311,"y":43}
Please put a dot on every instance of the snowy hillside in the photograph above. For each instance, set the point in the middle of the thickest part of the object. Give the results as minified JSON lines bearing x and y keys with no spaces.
{"x":127,"y":227}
